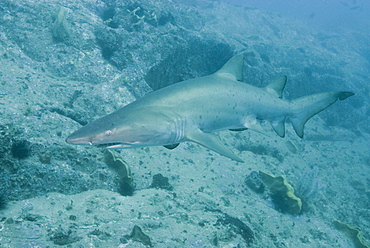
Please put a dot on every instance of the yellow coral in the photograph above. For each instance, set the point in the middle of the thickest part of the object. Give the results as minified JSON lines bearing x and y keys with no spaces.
{"x":117,"y":164}
{"x":282,"y":193}
{"x":351,"y":232}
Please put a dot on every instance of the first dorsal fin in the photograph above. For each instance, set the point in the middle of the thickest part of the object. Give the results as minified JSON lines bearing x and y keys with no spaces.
{"x":277,"y":86}
{"x":233,"y":69}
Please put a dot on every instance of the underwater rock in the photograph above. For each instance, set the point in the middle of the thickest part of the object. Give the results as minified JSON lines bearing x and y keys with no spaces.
{"x":282,"y":193}
{"x":123,"y":170}
{"x":254,"y":182}
{"x":101,"y":235}
{"x":2,"y":202}
{"x":107,"y":14}
{"x":45,"y":157}
{"x":262,"y":150}
{"x":138,"y":235}
{"x":239,"y":226}
{"x":351,"y":232}
{"x":160,"y":182}
{"x":250,"y":58}
{"x":291,"y":147}
{"x":176,"y":67}
{"x":112,"y":47}
{"x":63,"y":236}
{"x":108,"y":40}
{"x":358,"y":185}
{"x":69,"y":113}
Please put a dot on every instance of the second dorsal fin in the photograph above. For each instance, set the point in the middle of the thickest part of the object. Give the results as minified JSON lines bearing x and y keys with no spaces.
{"x":277,"y":86}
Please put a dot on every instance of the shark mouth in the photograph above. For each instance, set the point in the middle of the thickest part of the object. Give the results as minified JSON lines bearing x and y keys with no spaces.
{"x":107,"y":145}
{"x":114,"y":145}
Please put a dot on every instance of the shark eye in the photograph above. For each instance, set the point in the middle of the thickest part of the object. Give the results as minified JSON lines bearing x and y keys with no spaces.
{"x":109,"y":132}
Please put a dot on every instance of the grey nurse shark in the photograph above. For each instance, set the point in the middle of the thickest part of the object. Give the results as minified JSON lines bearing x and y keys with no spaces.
{"x":193,"y":109}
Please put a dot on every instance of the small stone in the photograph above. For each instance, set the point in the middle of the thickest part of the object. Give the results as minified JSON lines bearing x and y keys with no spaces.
{"x":161,"y":182}
{"x":45,"y":157}
{"x":138,"y":235}
{"x":254,"y":182}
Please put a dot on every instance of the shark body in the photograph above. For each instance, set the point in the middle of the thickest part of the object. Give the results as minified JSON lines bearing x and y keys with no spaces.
{"x":191,"y":110}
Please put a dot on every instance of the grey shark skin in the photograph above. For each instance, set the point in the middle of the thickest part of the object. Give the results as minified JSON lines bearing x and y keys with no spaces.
{"x":191,"y":110}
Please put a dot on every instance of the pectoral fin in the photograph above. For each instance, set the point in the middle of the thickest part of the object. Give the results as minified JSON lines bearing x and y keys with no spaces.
{"x":212,"y":142}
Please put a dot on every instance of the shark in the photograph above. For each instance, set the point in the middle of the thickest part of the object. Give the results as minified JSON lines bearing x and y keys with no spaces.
{"x":193,"y":110}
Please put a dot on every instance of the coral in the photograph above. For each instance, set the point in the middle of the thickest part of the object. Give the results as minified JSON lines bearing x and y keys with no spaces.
{"x":123,"y":170}
{"x":59,"y":29}
{"x":139,"y":15}
{"x":136,"y":19}
{"x":308,"y":185}
{"x":20,"y":149}
{"x":134,"y":16}
{"x":351,"y":232}
{"x":282,"y":193}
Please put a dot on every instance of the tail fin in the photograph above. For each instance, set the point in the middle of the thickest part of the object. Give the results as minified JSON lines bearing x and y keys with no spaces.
{"x":306,"y":107}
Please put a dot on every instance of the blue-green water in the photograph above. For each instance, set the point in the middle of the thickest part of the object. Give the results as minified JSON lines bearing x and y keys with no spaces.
{"x":65,"y":64}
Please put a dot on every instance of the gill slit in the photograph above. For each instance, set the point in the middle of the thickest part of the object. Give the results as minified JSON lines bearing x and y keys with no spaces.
{"x":179,"y":130}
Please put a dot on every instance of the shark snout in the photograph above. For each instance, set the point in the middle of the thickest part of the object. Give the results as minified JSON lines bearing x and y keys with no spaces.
{"x":80,"y":137}
{"x":73,"y":139}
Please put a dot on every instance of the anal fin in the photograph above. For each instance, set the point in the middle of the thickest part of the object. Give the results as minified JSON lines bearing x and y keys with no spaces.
{"x":211,"y":142}
{"x":279,"y":127}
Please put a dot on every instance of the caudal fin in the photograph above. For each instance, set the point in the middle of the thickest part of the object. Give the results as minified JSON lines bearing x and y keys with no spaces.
{"x":306,"y":107}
